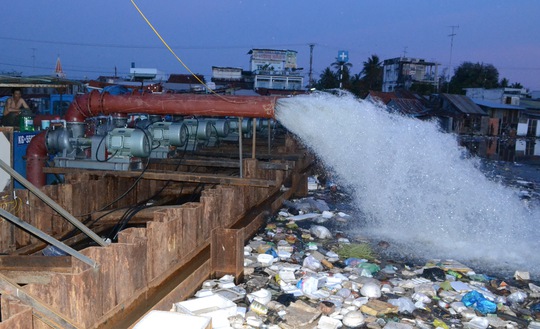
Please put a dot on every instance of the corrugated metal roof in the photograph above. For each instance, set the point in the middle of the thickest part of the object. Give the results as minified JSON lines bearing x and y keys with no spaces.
{"x":407,"y":106}
{"x":185,"y":78}
{"x":384,"y":97}
{"x":494,"y":105}
{"x":464,"y":104}
{"x":36,"y":82}
{"x":530,"y":104}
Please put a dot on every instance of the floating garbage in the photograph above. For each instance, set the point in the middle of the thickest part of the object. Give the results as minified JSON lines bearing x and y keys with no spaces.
{"x":300,"y":273}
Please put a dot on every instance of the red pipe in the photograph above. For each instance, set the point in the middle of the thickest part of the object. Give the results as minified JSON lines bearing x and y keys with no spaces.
{"x":36,"y":155}
{"x":95,"y":103}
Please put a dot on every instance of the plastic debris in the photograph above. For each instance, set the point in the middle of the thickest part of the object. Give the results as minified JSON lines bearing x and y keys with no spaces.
{"x":302,"y":273}
{"x":479,"y":302}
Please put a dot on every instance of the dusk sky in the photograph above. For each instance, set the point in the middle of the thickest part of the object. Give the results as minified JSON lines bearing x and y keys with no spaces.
{"x":92,"y":37}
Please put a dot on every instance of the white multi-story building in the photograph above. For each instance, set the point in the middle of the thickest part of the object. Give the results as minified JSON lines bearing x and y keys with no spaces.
{"x":510,"y":96}
{"x":275,"y":69}
{"x":220,"y":73}
{"x":402,"y":72}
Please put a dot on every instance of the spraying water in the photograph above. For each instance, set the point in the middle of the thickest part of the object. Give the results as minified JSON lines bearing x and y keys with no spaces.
{"x":413,"y":185}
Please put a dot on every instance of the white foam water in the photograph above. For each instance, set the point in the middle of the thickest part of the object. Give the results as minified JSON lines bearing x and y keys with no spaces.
{"x":413,"y":184}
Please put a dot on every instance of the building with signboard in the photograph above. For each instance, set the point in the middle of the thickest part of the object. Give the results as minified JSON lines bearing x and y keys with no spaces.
{"x":275,"y":69}
{"x":403,"y":72}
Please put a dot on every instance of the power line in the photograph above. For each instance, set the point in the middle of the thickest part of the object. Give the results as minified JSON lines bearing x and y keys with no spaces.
{"x":124,"y":46}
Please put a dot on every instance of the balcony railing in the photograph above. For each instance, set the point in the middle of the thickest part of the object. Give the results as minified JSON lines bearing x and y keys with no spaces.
{"x":275,"y":72}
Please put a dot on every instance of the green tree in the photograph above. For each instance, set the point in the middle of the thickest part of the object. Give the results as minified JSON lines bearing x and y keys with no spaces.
{"x":516,"y":85}
{"x":358,"y":86}
{"x":328,"y":80}
{"x":373,"y":73}
{"x":474,"y":75}
{"x":346,"y":78}
{"x":504,"y":83}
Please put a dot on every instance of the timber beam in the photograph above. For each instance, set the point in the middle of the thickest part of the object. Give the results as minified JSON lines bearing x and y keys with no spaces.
{"x":35,"y":263}
{"x":171,"y":176}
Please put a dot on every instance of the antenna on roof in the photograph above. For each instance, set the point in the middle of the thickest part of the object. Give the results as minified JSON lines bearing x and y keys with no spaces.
{"x":451,"y":35}
{"x":311,"y":46}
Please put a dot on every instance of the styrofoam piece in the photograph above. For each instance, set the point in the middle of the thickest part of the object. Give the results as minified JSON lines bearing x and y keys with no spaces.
{"x":217,"y":307}
{"x":173,"y":320}
{"x":232,"y":294}
{"x":263,"y":296}
{"x":284,"y":254}
{"x":327,"y":214}
{"x":287,"y":276}
{"x":265,"y":259}
{"x":304,"y":216}
{"x":326,"y":322}
{"x":460,"y":286}
{"x":204,"y":293}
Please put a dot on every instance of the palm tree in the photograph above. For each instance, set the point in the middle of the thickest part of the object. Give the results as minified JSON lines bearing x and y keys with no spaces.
{"x":328,"y":79}
{"x":346,"y":67}
{"x":516,"y":85}
{"x":373,"y":72}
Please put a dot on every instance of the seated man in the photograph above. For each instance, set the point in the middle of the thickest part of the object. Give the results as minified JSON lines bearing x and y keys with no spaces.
{"x":13,"y":107}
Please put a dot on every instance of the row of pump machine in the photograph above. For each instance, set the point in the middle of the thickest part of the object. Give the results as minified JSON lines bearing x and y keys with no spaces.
{"x":119,"y":142}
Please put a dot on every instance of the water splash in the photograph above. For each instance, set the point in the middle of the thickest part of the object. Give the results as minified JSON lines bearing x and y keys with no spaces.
{"x":413,"y":184}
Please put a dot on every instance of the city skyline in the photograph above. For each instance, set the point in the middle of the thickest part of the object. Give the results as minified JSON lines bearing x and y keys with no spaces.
{"x":95,"y":38}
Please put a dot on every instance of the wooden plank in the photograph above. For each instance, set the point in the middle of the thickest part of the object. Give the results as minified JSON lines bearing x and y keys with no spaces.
{"x":35,"y":263}
{"x":193,"y":212}
{"x":227,"y":253}
{"x":174,"y":176}
{"x":209,"y":162}
{"x":143,"y":216}
{"x":8,"y":287}
{"x":226,"y":163}
{"x":20,"y":320}
{"x":28,"y":277}
{"x":211,"y":207}
{"x":178,"y":283}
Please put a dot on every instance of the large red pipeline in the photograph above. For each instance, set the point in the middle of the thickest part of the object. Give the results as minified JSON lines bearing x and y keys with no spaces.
{"x":36,"y":155}
{"x":96,"y":103}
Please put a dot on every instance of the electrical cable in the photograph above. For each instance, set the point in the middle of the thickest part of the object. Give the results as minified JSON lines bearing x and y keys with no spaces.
{"x":97,"y":150}
{"x":132,"y":211}
{"x":176,"y":56}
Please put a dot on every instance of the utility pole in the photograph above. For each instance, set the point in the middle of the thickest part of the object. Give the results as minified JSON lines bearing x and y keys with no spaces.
{"x":311,"y":46}
{"x":405,"y":51}
{"x":33,"y":60}
{"x":451,"y":35}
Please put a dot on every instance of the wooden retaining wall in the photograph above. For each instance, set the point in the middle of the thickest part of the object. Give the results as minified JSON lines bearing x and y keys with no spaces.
{"x":143,"y":270}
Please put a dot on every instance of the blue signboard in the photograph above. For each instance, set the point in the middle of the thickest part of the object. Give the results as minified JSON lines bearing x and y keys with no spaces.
{"x":343,"y":56}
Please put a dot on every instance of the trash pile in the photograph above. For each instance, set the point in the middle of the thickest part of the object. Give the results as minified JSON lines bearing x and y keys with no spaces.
{"x":301,"y":272}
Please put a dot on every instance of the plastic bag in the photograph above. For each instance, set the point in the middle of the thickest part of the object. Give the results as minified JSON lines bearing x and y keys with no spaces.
{"x":404,"y":304}
{"x":53,"y":251}
{"x":312,"y":263}
{"x":372,"y":268}
{"x":320,"y":232}
{"x":517,"y":297}
{"x":354,"y":262}
{"x":371,"y":290}
{"x":479,"y":302}
{"x":434,"y":274}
